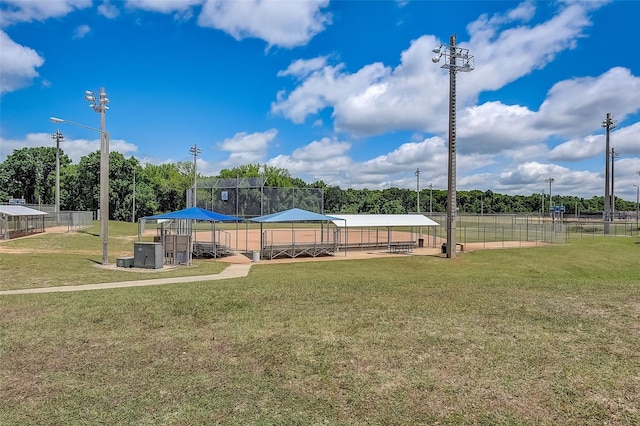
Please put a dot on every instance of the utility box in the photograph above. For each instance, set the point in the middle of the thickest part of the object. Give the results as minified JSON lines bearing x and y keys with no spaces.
{"x":147,"y":255}
{"x":124,"y":262}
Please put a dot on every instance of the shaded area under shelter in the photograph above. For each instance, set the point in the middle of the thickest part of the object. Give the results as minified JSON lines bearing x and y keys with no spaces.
{"x":303,"y":241}
{"x":376,"y":231}
{"x":19,"y":221}
{"x":179,"y":238}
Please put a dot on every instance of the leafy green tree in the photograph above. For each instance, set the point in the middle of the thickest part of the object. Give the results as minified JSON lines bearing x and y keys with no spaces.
{"x":169,"y":182}
{"x":30,"y":173}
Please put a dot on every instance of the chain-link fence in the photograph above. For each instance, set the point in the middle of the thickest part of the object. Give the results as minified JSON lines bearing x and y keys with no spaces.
{"x":530,"y":228}
{"x":248,"y":197}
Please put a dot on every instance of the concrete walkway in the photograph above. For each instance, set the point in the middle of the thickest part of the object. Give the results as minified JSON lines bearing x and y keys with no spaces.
{"x":237,"y":270}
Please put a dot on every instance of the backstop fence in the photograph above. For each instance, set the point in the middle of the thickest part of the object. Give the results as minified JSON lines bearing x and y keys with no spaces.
{"x":249,"y":197}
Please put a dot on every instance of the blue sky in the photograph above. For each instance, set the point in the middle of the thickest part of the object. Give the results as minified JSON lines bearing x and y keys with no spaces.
{"x":340,"y":91}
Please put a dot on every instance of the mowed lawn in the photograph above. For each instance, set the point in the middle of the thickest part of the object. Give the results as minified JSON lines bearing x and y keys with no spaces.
{"x":536,"y":336}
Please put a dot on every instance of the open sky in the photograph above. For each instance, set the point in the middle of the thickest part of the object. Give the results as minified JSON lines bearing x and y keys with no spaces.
{"x":340,"y":91}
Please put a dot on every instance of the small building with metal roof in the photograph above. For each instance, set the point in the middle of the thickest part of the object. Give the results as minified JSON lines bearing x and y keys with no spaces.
{"x":19,"y":221}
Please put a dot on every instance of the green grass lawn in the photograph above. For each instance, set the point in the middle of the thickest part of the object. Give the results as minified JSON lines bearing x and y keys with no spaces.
{"x":47,"y":260}
{"x":538,"y":336}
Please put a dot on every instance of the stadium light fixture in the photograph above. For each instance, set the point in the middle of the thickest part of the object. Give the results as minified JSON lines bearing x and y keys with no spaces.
{"x":456,"y":59}
{"x":58,"y":137}
{"x":550,"y":181}
{"x":417,"y":190}
{"x":637,"y":203}
{"x":608,"y":123}
{"x":195,"y":151}
{"x":614,"y":155}
{"x":100,"y":107}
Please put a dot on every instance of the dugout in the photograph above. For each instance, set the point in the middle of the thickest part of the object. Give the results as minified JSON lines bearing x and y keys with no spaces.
{"x":19,"y":221}
{"x":371,"y":231}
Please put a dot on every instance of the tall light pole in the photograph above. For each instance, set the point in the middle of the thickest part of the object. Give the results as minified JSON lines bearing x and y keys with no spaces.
{"x":99,"y":106}
{"x":550,"y":181}
{"x":431,"y":198}
{"x":637,"y":202}
{"x":614,"y":155}
{"x":418,"y":190}
{"x":59,"y":137}
{"x":194,"y":150}
{"x":133,"y":202}
{"x":608,"y":124}
{"x":542,"y":211}
{"x":456,"y":59}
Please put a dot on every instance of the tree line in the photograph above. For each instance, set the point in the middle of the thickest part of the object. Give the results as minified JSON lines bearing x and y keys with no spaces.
{"x":30,"y":173}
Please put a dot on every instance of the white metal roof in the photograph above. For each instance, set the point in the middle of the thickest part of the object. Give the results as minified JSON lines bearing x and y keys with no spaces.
{"x":11,"y":210}
{"x":375,"y":220}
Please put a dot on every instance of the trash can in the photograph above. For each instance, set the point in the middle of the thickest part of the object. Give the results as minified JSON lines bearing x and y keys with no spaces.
{"x":444,"y":248}
{"x":420,"y":242}
{"x":256,"y":256}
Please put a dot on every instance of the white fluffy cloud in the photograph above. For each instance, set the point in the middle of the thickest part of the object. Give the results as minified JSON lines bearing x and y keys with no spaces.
{"x":573,"y":107}
{"x":414,"y":94}
{"x":74,"y":148}
{"x":246,"y":148}
{"x":19,"y":64}
{"x":14,"y":11}
{"x":279,"y":23}
{"x":81,"y":32}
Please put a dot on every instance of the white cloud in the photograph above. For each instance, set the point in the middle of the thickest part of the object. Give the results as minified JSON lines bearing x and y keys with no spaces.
{"x":246,"y":148}
{"x":325,"y":149}
{"x":325,"y":160}
{"x":531,"y":176}
{"x":279,"y":23}
{"x":578,"y":149}
{"x":15,"y":11}
{"x":302,"y":68}
{"x":493,"y":127}
{"x":573,"y":107}
{"x":81,"y":31}
{"x":164,"y":6}
{"x":73,"y":148}
{"x":414,"y":95}
{"x":515,"y":52}
{"x":19,"y":65}
{"x":108,"y":10}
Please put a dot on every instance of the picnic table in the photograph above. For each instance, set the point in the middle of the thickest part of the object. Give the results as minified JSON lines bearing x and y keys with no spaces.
{"x":401,"y":246}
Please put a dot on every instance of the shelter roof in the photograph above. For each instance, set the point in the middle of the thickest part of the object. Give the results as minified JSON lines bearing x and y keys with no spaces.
{"x":375,"y":220}
{"x":196,"y":213}
{"x":294,"y":215}
{"x":12,"y":210}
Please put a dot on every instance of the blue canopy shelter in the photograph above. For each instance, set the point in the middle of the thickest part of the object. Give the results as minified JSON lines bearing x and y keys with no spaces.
{"x":311,"y":246}
{"x":196,"y":213}
{"x":176,"y":245}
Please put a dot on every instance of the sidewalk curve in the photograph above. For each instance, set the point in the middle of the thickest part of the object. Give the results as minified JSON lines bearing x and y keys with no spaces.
{"x":237,"y":270}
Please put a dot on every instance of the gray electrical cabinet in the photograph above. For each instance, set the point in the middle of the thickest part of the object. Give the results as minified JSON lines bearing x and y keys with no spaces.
{"x":147,"y":255}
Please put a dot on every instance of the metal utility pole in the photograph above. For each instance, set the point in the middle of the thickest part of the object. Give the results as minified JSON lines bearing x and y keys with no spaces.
{"x":59,"y":137}
{"x":456,"y":59}
{"x":195,"y":151}
{"x":614,"y":155}
{"x":608,"y":124}
{"x":418,"y":190}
